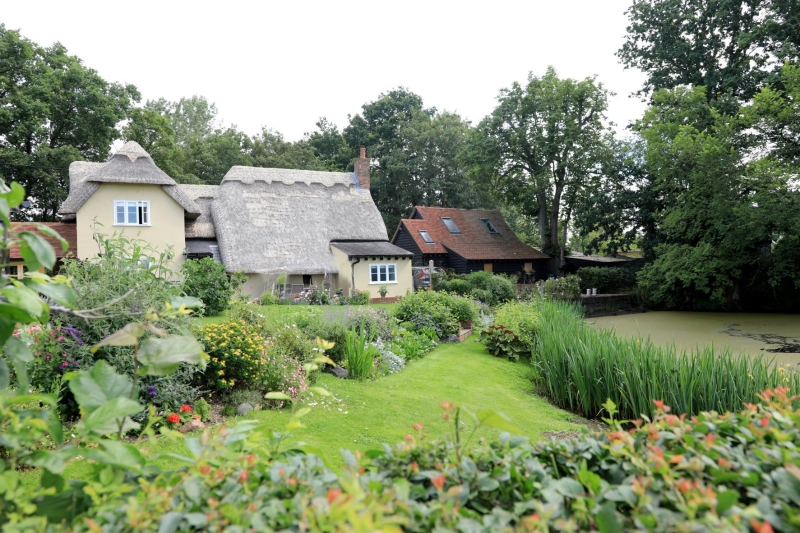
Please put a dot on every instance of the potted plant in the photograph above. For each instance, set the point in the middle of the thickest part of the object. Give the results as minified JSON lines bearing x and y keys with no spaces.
{"x":383,"y":291}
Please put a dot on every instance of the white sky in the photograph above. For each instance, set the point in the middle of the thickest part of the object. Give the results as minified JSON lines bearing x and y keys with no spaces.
{"x":285,"y":64}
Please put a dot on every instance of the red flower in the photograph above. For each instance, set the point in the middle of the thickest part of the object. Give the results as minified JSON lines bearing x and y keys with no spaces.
{"x":185,"y":409}
{"x":174,"y":418}
{"x":438,"y":482}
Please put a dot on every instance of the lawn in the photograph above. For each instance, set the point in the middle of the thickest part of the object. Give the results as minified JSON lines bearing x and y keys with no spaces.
{"x":279,"y":312}
{"x":364,"y":415}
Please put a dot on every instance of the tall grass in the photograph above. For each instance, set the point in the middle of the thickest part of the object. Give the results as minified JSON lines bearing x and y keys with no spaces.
{"x":579,"y":368}
{"x":360,"y":354}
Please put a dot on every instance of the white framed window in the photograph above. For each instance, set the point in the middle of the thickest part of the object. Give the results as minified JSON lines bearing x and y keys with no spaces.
{"x":383,"y":273}
{"x":131,"y":213}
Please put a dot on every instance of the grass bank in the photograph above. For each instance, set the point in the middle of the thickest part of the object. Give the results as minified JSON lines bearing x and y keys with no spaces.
{"x":364,"y":415}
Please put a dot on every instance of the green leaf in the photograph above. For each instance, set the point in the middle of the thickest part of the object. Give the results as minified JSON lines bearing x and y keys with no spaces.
{"x":6,"y":326}
{"x":107,"y":417}
{"x":4,"y":375}
{"x":58,"y":292}
{"x":277,"y":396}
{"x":25,"y":300}
{"x":14,"y":315}
{"x":170,"y":522}
{"x":50,"y":232}
{"x":190,"y":302}
{"x":161,"y":357}
{"x":5,"y":211}
{"x":124,"y":455}
{"x":36,"y":251}
{"x":726,"y":500}
{"x":127,"y":336}
{"x":20,"y":356}
{"x":607,"y":521}
{"x":320,"y":390}
{"x":15,"y":195}
{"x":49,"y":461}
{"x":487,"y":417}
{"x":95,"y":387}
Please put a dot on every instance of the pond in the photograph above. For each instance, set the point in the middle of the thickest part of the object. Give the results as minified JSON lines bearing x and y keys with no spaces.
{"x":778,"y":335}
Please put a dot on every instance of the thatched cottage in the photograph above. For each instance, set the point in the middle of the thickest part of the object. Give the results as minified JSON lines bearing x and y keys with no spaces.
{"x":317,"y":228}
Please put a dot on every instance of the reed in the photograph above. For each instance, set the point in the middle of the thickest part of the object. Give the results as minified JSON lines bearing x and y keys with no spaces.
{"x":579,"y":368}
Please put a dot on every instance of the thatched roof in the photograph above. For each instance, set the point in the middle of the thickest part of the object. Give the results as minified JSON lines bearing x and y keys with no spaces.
{"x":131,"y":164}
{"x":271,"y":220}
{"x":203,"y":226}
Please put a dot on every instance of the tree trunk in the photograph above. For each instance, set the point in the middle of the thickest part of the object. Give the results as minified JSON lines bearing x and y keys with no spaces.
{"x":544,"y":235}
{"x":554,"y":214}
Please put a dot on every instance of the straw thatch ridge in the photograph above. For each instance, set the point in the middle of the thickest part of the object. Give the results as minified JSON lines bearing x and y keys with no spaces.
{"x":203,"y":226}
{"x":282,"y":221}
{"x":131,"y":164}
{"x":287,"y":176}
{"x":371,"y":249}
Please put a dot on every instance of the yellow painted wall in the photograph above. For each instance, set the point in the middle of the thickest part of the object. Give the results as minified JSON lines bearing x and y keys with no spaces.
{"x":342,"y":279}
{"x":166,"y":219}
{"x":403,"y":285}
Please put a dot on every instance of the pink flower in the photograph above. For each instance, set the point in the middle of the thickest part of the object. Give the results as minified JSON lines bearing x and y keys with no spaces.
{"x":60,"y":339}
{"x":64,"y":364}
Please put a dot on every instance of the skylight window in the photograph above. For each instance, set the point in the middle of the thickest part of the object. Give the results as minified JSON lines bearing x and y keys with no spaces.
{"x":426,"y":236}
{"x":489,"y":226}
{"x":450,"y":225}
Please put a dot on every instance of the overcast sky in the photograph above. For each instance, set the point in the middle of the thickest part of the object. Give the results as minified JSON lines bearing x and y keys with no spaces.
{"x":285,"y":64}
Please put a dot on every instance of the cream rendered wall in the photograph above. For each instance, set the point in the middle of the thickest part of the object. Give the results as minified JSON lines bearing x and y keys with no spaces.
{"x":403,"y":285}
{"x":342,"y":279}
{"x":166,"y":219}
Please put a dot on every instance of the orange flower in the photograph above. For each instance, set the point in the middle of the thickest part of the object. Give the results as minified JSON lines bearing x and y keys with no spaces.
{"x":438,"y":481}
{"x":185,"y":409}
{"x":333,"y":494}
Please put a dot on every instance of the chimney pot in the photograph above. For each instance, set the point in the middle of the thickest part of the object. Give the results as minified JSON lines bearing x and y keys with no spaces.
{"x":361,"y":167}
{"x":363,"y":153}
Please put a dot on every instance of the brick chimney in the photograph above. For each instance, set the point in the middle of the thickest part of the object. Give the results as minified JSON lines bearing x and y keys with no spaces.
{"x":361,"y":168}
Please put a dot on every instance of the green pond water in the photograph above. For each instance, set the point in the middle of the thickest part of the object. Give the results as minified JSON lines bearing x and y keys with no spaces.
{"x":777,"y":335}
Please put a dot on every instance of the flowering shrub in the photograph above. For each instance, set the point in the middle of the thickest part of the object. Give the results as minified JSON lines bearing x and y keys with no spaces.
{"x":56,"y":350}
{"x":183,"y":415}
{"x":377,"y":322}
{"x":283,"y":373}
{"x":566,"y":288}
{"x":236,"y":352}
{"x":433,"y":308}
{"x":522,"y":318}
{"x":356,"y":298}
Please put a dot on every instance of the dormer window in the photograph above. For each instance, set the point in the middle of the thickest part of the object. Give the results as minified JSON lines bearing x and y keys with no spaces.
{"x":131,"y":213}
{"x":450,"y":225}
{"x":426,"y":236}
{"x":489,"y":226}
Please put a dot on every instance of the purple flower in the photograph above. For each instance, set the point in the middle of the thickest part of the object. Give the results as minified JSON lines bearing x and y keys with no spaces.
{"x":75,"y":335}
{"x":47,"y":357}
{"x":151,"y":390}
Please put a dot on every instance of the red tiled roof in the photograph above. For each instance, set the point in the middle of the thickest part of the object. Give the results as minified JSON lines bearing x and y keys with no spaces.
{"x":67,"y":231}
{"x":474,"y":242}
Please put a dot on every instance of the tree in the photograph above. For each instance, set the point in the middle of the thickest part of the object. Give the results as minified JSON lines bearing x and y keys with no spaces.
{"x":541,"y":145}
{"x":191,"y":118}
{"x":416,"y":155}
{"x":731,"y":47}
{"x":53,"y":111}
{"x":270,"y":150}
{"x":729,"y":221}
{"x":330,"y":146}
{"x":153,"y":131}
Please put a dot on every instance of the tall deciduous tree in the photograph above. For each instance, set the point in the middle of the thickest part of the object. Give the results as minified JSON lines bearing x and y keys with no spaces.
{"x":542,"y":145}
{"x":53,"y":110}
{"x":415,"y":155}
{"x":730,"y":47}
{"x":330,"y":146}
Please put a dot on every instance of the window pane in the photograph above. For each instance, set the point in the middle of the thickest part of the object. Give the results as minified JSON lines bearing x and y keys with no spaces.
{"x":489,"y":226}
{"x":450,"y":225}
{"x":391,"y":273}
{"x":382,"y":269}
{"x":145,"y":215}
{"x":132,"y":215}
{"x":119,"y":209}
{"x":426,"y":236}
{"x":373,"y":273}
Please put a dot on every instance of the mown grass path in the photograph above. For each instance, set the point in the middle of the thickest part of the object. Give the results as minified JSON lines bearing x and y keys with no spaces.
{"x":364,"y":415}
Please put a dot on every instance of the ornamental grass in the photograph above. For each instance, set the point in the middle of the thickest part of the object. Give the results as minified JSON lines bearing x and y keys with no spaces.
{"x":579,"y":368}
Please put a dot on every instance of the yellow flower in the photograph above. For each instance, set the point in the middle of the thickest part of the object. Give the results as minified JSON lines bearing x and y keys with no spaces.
{"x":222,"y":363}
{"x":221,"y":372}
{"x":232,"y":383}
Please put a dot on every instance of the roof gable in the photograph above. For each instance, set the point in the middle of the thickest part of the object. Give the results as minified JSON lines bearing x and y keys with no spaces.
{"x":131,"y":164}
